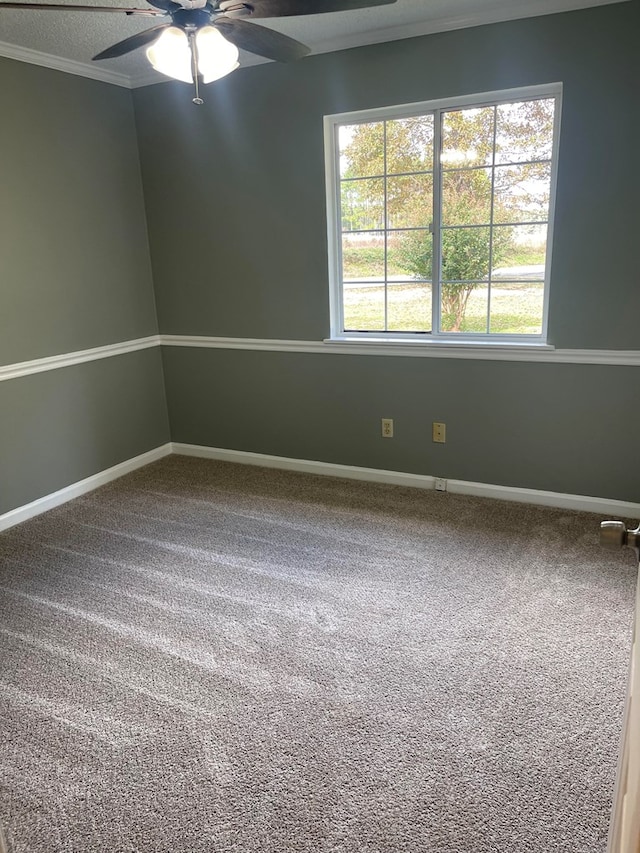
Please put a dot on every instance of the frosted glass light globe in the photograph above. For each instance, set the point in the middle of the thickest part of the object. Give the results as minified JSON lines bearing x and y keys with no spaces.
{"x":171,"y":54}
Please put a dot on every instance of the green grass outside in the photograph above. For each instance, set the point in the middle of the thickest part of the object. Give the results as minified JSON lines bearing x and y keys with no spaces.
{"x":367,"y":261}
{"x":516,"y":309}
{"x":523,"y":256}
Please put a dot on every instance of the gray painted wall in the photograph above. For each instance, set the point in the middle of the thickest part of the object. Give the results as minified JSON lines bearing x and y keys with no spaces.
{"x":64,"y":425}
{"x":235,"y":189}
{"x":234,"y":197}
{"x":236,"y":212}
{"x":551,"y":434}
{"x":74,"y":257}
{"x":74,"y":274}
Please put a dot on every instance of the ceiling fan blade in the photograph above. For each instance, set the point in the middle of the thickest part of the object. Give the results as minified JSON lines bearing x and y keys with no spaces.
{"x":260,"y":40}
{"x":284,"y":8}
{"x":61,"y":7}
{"x":132,"y":43}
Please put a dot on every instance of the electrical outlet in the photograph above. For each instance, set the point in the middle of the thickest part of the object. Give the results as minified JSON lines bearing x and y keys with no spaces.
{"x":387,"y":427}
{"x":439,"y":432}
{"x":441,"y":485}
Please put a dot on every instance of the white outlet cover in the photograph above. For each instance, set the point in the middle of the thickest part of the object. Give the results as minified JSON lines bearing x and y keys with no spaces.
{"x":441,"y":485}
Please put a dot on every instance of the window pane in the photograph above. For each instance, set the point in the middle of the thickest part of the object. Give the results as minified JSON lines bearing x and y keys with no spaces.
{"x":466,"y":197}
{"x":516,"y":307}
{"x":524,"y":131}
{"x":408,"y":307}
{"x":410,"y":145}
{"x":363,"y":256}
{"x":522,"y":193}
{"x":362,"y":204}
{"x":361,"y":149}
{"x":409,"y":201}
{"x":363,"y":308}
{"x":465,"y":254}
{"x":519,"y":252}
{"x":464,"y":307}
{"x":493,"y":174}
{"x":409,"y":255}
{"x":467,"y":137}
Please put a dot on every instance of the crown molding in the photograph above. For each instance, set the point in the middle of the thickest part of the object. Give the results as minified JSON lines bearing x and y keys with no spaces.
{"x":68,"y":66}
{"x":494,"y":14}
{"x":497,"y":13}
{"x":150,"y":78}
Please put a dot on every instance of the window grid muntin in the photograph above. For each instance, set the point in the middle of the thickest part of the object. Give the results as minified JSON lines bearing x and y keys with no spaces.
{"x":550,"y":92}
{"x":505,"y":165}
{"x":493,"y":165}
{"x":436,"y":236}
{"x":386,"y":230}
{"x":385,"y":219}
{"x":492,"y":224}
{"x":493,"y":203}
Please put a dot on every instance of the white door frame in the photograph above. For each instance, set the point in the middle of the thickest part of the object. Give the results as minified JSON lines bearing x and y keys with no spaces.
{"x":624,"y":832}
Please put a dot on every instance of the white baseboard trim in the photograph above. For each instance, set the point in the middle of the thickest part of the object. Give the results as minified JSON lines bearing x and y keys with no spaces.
{"x":584,"y":503}
{"x":75,"y":490}
{"x":539,"y":497}
{"x":308,"y":466}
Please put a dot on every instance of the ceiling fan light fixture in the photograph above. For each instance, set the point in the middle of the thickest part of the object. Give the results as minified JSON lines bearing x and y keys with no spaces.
{"x":217,"y":57}
{"x":171,"y":54}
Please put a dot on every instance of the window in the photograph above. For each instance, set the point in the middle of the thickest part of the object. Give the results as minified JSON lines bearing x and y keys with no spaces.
{"x":440,"y":218}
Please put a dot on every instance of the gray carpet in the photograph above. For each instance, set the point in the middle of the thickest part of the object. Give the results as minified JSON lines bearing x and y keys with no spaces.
{"x":209,"y":657}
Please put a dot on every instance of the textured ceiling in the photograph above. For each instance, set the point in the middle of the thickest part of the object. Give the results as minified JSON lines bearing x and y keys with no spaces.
{"x":78,"y":36}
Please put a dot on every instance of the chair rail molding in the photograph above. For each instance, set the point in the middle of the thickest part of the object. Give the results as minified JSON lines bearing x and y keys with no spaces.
{"x":54,"y":362}
{"x":484,"y":352}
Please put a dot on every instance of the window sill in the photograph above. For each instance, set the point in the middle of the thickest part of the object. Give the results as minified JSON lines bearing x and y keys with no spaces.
{"x":436,"y":347}
{"x":469,"y":349}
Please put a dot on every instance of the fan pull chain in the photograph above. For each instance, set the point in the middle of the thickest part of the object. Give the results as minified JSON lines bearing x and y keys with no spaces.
{"x":194,"y":67}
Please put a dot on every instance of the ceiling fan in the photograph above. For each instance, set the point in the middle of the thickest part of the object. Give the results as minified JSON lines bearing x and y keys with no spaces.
{"x":200,"y":42}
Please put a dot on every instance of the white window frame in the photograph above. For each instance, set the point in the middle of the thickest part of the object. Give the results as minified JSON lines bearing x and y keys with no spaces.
{"x":334,"y":218}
